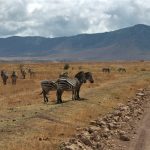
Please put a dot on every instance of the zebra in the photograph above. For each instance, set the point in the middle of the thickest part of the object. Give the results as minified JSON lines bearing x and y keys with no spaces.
{"x":106,"y":70}
{"x":67,"y":84}
{"x":4,"y":77}
{"x":50,"y":85}
{"x":23,"y":73}
{"x":14,"y":78}
{"x":121,"y":70}
{"x":31,"y":72}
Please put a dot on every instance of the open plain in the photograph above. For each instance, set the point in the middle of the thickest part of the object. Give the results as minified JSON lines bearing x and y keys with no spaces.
{"x":26,"y":123}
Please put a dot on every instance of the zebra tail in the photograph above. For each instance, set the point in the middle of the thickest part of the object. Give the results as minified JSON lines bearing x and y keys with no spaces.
{"x":41,"y":93}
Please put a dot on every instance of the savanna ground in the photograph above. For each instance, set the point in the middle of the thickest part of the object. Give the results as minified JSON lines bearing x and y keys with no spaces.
{"x":26,"y":123}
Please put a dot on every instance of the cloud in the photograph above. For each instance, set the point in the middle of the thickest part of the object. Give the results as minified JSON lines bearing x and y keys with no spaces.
{"x":53,"y":18}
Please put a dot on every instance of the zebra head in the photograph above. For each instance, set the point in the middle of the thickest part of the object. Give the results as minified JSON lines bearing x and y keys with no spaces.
{"x":2,"y":72}
{"x":88,"y":76}
{"x":81,"y":77}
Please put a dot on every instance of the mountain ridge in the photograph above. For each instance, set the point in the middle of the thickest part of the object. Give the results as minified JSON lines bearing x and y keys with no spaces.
{"x":130,"y":43}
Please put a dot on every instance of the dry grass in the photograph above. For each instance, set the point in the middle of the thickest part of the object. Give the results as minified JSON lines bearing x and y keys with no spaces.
{"x":27,"y":123}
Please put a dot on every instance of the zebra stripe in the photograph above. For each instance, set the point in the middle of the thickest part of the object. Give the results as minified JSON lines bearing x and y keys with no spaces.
{"x":48,"y":86}
{"x":68,"y":84}
{"x":4,"y":77}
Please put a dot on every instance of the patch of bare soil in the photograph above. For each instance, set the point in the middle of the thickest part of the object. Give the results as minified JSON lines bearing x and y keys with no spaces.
{"x":125,"y":128}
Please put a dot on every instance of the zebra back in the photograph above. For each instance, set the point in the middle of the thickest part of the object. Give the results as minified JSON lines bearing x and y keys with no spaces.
{"x":48,"y":85}
{"x":4,"y":75}
{"x":67,"y":84}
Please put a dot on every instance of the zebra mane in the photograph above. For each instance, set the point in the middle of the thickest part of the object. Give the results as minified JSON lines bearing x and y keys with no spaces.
{"x":78,"y":75}
{"x":87,"y":73}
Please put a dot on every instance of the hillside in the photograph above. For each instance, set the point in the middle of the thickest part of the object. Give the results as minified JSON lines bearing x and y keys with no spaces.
{"x":131,"y":43}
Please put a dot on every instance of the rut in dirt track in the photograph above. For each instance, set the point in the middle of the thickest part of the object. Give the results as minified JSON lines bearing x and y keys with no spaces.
{"x":142,"y":139}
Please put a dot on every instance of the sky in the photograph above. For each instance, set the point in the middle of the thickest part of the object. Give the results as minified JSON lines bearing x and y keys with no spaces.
{"x":55,"y":18}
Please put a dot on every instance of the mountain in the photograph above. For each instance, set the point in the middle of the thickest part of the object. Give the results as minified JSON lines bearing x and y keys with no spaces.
{"x":131,"y":43}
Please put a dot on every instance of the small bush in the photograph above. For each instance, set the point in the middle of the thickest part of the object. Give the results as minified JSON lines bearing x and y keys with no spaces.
{"x":66,"y":66}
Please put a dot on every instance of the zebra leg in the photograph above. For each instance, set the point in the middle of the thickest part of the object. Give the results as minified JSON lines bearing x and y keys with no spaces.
{"x":45,"y":97}
{"x":77,"y":94}
{"x":73,"y":94}
{"x":4,"y":82}
{"x":59,"y":94}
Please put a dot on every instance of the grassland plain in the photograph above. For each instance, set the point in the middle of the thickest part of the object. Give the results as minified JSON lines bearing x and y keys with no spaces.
{"x":26,"y":123}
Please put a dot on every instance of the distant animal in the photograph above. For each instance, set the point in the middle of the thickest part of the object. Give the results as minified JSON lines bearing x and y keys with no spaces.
{"x":106,"y":70}
{"x":4,"y":77}
{"x":121,"y":70}
{"x":31,"y":72}
{"x":23,"y":73}
{"x":14,"y":78}
{"x":68,"y":84}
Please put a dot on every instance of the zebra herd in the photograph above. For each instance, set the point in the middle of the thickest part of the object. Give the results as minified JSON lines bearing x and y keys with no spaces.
{"x":24,"y":72}
{"x":4,"y":77}
{"x":107,"y":70}
{"x":64,"y":83}
{"x":14,"y":76}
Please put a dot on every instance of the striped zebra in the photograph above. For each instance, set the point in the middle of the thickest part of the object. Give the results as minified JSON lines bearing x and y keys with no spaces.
{"x":47,"y":86}
{"x":121,"y":70}
{"x":106,"y":70}
{"x":50,"y":85}
{"x":4,"y":77}
{"x":31,"y":72}
{"x":23,"y":73}
{"x":67,"y":84}
{"x":14,"y":78}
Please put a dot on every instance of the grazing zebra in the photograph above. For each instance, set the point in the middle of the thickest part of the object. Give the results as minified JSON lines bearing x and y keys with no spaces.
{"x":67,"y":84}
{"x":4,"y":77}
{"x":121,"y":70}
{"x":14,"y":78}
{"x":31,"y":72}
{"x":106,"y":70}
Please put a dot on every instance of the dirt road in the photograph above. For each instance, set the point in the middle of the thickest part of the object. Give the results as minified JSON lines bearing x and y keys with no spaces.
{"x":142,"y":140}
